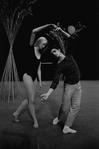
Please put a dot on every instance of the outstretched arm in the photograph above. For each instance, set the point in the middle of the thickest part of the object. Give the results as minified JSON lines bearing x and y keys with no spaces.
{"x":45,"y":96}
{"x":53,"y":84}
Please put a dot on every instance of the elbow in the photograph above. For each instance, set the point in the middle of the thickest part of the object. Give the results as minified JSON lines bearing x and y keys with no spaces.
{"x":32,"y":38}
{"x":33,"y":31}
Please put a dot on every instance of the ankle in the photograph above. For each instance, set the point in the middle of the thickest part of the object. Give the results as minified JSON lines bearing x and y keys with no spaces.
{"x":35,"y":121}
{"x":65,"y":126}
{"x":15,"y":114}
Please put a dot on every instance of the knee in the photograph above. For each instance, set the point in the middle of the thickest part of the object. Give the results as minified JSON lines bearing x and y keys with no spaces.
{"x":27,"y":79}
{"x":25,"y":76}
{"x":31,"y":102}
{"x":65,"y":109}
{"x":31,"y":99}
{"x":75,"y":109}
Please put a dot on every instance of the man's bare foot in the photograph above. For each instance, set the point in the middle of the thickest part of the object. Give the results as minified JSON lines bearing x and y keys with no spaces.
{"x":67,"y":129}
{"x":55,"y":121}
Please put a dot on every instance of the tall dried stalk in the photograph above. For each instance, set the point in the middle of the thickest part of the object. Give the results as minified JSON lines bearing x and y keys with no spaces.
{"x":12,"y":15}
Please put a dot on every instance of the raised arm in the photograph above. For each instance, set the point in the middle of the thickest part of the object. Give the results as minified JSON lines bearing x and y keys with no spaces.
{"x":32,"y":38}
{"x":40,"y":28}
{"x":64,"y":32}
{"x":34,"y":31}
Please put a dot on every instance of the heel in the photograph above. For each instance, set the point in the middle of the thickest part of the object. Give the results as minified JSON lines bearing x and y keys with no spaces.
{"x":15,"y":118}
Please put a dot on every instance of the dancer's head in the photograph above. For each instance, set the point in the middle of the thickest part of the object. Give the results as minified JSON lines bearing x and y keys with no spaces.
{"x":40,"y":46}
{"x":57,"y":53}
{"x":71,"y":29}
{"x":41,"y":43}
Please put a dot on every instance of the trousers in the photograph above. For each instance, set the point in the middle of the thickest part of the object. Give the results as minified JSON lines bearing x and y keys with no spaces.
{"x":71,"y":100}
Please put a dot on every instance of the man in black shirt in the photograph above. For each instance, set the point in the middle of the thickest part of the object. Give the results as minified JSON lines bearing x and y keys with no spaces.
{"x":71,"y":97}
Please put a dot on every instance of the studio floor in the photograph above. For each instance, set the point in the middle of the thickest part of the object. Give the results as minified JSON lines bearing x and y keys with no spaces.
{"x":23,"y":135}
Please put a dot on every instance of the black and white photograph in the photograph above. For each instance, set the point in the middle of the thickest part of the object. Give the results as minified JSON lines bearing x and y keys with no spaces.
{"x":49,"y":74}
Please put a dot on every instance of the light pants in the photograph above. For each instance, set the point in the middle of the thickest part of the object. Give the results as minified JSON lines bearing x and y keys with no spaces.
{"x":71,"y":100}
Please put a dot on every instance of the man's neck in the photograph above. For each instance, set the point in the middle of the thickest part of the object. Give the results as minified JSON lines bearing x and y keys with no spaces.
{"x":61,"y":58}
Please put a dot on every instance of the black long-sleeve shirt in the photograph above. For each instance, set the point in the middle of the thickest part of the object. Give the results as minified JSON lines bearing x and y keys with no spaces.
{"x":70,"y":71}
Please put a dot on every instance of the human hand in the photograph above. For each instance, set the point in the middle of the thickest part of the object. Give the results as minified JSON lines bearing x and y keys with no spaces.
{"x":53,"y":25}
{"x":57,"y":28}
{"x":40,"y":85}
{"x":44,"y":97}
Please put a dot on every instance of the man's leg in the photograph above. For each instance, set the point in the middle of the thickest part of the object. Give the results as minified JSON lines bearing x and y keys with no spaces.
{"x":75,"y":106}
{"x":66,"y":103}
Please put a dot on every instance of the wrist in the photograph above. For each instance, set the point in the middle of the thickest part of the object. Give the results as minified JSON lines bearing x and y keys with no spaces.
{"x":50,"y":91}
{"x":48,"y":94}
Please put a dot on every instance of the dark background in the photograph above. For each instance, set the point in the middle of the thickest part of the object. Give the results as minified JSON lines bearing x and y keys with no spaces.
{"x":86,"y":52}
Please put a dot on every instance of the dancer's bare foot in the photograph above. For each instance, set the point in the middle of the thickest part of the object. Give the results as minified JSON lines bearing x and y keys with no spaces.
{"x":36,"y":124}
{"x":67,"y":129}
{"x":15,"y":117}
